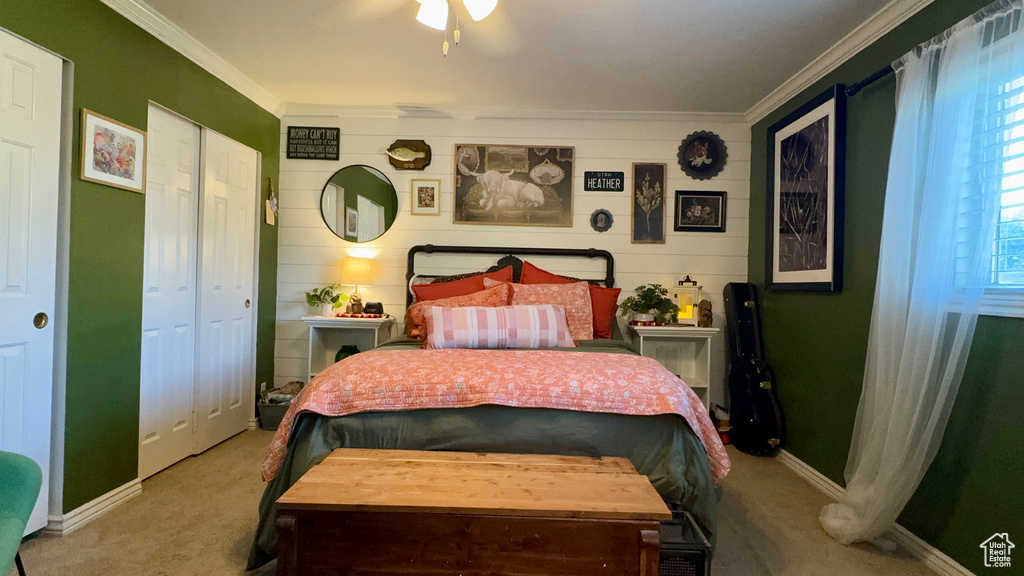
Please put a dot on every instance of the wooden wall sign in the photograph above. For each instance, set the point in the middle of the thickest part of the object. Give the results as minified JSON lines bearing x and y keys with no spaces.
{"x":604,"y":181}
{"x":313,"y":143}
{"x":409,"y":154}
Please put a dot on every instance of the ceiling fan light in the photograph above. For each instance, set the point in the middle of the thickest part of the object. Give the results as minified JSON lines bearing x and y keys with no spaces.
{"x":480,"y":9}
{"x":433,"y":13}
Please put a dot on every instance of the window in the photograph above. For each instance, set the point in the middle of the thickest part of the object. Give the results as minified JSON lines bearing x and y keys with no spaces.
{"x":1008,"y":252}
{"x":993,"y":193}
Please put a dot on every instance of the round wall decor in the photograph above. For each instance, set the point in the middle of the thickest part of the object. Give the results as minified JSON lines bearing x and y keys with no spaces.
{"x":702,"y":155}
{"x":601,"y":220}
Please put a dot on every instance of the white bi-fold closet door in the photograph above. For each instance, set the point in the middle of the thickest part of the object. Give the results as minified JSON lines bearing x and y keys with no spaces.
{"x":30,"y":124}
{"x":198,"y":309}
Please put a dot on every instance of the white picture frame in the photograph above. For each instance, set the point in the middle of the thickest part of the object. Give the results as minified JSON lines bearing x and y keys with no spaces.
{"x":426,"y":197}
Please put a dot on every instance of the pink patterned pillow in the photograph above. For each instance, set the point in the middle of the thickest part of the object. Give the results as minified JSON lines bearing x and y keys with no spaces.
{"x":502,"y":327}
{"x":415,"y":324}
{"x":574,"y":297}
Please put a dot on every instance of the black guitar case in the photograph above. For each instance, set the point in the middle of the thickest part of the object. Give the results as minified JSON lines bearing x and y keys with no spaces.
{"x":757,"y":426}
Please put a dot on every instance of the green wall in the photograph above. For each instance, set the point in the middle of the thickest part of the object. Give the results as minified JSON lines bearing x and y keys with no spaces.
{"x":817,"y":343}
{"x":118,"y":69}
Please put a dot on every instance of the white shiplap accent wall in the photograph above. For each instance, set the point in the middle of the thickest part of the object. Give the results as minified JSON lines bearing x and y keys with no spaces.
{"x":310,"y":255}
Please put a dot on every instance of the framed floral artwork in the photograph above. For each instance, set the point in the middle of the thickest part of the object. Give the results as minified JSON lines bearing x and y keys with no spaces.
{"x":648,"y":218}
{"x":698,"y":211}
{"x":113,"y":153}
{"x":426,"y":197}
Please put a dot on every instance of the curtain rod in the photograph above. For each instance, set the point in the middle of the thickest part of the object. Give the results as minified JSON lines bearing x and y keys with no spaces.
{"x":854,"y":88}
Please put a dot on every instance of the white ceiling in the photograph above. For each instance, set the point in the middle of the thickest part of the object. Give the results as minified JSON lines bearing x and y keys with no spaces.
{"x":581,"y":55}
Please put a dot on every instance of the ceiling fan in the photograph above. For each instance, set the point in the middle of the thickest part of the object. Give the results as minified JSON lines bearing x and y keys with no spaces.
{"x":435,"y":13}
{"x":498,"y":36}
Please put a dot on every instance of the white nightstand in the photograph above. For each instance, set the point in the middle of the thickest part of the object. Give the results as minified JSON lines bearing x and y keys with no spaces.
{"x":327,"y":336}
{"x":685,"y":350}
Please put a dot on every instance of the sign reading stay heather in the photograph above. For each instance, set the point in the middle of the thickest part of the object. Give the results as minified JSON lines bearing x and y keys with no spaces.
{"x":604,"y":181}
{"x":312,"y":143}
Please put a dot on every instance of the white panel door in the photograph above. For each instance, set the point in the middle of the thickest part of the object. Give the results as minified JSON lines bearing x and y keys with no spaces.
{"x":225,"y":375}
{"x":30,"y":108}
{"x":169,"y":292}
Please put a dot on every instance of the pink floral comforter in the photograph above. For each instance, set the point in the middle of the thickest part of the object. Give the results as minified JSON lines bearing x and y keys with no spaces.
{"x":393,"y":380}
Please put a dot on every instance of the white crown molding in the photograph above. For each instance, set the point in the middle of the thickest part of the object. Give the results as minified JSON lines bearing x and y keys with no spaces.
{"x":68,"y":523}
{"x":890,"y":16}
{"x":147,"y":18}
{"x":406,"y":112}
{"x":928,"y":554}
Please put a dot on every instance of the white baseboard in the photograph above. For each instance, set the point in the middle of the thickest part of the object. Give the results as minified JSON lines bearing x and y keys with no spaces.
{"x":253,"y":424}
{"x":68,"y":523}
{"x":930,"y":555}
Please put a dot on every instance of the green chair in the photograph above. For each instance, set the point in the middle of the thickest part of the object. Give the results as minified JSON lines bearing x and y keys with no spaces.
{"x":21,"y":479}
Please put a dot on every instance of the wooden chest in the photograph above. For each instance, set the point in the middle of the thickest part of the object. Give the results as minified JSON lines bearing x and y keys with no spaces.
{"x":409,"y":512}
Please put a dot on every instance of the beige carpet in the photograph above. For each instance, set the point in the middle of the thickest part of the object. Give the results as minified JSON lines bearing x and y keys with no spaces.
{"x":197,"y":518}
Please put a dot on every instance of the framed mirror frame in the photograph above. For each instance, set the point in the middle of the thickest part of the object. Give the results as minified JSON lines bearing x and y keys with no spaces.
{"x":373,"y":211}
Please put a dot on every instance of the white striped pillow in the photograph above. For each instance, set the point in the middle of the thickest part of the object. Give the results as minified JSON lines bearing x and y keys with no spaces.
{"x":541,"y":326}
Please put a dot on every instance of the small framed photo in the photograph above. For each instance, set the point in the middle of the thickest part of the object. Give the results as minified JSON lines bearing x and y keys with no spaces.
{"x":601,"y":220}
{"x":699,"y":211}
{"x":648,"y":217}
{"x":113,"y":153}
{"x":351,"y":223}
{"x":426,"y":197}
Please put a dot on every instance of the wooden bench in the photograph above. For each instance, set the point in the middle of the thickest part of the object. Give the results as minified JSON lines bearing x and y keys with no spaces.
{"x":364,"y":512}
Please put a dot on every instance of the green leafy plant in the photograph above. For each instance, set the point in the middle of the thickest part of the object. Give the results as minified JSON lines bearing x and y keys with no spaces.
{"x":650,"y":297}
{"x":325,"y":295}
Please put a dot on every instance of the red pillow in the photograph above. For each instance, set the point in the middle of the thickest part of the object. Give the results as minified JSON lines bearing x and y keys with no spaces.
{"x":604,"y":301}
{"x":459,"y":287}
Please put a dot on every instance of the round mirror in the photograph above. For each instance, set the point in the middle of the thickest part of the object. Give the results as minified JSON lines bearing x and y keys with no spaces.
{"x":359,"y":203}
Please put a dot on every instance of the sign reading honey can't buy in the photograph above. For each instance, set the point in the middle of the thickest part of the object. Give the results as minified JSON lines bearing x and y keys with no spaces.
{"x":313,"y":143}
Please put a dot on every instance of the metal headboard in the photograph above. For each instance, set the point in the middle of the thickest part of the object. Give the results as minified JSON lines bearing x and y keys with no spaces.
{"x":410,"y":270}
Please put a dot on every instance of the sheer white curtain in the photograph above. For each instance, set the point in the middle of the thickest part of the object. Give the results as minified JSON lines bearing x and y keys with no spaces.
{"x":941,"y":206}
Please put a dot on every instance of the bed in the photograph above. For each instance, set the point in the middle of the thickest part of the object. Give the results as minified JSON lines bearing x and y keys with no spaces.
{"x":659,"y":440}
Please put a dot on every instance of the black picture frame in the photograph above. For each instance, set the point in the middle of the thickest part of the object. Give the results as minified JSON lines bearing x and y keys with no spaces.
{"x":804,"y":196}
{"x":601,"y":220}
{"x":700,"y":211}
{"x":702,"y":155}
{"x":647,"y":217}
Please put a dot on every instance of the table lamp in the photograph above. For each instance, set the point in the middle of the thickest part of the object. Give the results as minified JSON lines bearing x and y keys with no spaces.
{"x":356,"y":271}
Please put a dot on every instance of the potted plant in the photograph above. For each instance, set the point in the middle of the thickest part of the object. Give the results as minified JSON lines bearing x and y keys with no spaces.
{"x":650,"y":303}
{"x":327,"y":299}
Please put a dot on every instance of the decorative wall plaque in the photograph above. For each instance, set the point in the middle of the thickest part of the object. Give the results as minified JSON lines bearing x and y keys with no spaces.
{"x":313,"y":143}
{"x":604,"y":181}
{"x":409,"y":154}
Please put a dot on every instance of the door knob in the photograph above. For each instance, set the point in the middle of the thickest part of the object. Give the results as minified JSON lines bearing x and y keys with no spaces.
{"x":246,"y":302}
{"x":41,"y":320}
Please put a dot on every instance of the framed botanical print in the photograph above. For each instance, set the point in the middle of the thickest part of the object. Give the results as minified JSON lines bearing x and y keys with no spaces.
{"x":806,"y":151}
{"x":648,"y":217}
{"x":426,"y":197}
{"x":699,"y":211}
{"x":113,"y":153}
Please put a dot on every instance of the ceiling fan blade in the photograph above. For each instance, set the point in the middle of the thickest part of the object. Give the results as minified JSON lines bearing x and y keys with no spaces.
{"x":339,"y":15}
{"x":496,"y":33}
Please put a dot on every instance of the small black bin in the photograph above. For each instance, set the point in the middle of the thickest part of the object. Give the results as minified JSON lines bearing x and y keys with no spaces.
{"x":684,"y":549}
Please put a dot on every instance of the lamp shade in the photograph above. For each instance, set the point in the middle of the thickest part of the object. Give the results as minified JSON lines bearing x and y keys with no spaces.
{"x":480,"y":9}
{"x":433,"y":13}
{"x":356,"y":271}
